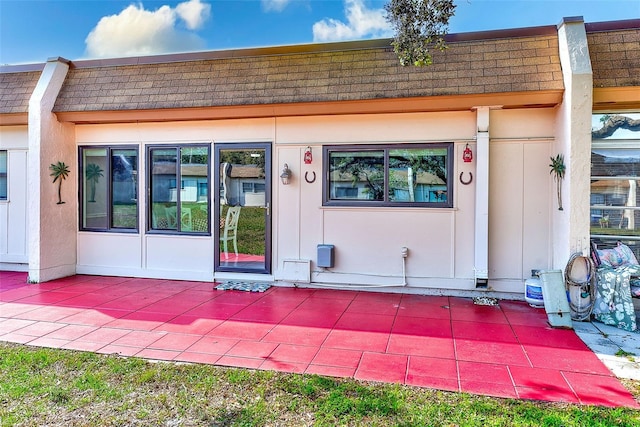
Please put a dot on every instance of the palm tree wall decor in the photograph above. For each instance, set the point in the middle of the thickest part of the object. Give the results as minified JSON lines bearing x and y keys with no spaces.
{"x":93,"y":174}
{"x":557,"y":169}
{"x":59,"y":172}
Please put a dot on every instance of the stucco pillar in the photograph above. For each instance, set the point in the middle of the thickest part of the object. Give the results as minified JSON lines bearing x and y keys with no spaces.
{"x":571,"y":225}
{"x":481,"y":257}
{"x":52,"y":226}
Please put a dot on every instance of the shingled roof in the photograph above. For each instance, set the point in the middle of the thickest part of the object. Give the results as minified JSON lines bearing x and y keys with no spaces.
{"x":496,"y":63}
{"x":615,"y":57}
{"x":15,"y":91}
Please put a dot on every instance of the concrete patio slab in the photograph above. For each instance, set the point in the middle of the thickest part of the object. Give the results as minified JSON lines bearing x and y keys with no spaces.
{"x":446,"y":343}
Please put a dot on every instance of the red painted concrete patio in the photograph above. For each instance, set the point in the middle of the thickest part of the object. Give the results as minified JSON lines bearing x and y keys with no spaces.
{"x":438,"y":342}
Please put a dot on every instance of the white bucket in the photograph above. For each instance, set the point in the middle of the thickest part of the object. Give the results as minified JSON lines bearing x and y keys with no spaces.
{"x":533,"y":290}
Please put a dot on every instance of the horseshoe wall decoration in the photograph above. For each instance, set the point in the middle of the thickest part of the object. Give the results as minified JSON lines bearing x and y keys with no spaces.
{"x":306,"y":177}
{"x":466,"y":182}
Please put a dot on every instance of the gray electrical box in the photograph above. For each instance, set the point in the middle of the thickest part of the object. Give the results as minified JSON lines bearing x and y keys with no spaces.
{"x":326,"y":256}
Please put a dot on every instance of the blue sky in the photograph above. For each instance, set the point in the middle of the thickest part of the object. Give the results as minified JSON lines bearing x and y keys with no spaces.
{"x":34,"y":30}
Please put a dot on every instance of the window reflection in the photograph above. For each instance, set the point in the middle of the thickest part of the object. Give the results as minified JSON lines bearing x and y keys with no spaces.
{"x":357,"y":175}
{"x":3,"y":175}
{"x":418,"y":175}
{"x":397,"y":175}
{"x":108,"y":188}
{"x":615,"y":177}
{"x":179,"y":183}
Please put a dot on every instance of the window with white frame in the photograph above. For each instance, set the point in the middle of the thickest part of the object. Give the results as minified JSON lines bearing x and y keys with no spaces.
{"x":615,"y":178}
{"x":180,"y":208}
{"x":388,"y":175}
{"x":3,"y":174}
{"x":109,"y":188}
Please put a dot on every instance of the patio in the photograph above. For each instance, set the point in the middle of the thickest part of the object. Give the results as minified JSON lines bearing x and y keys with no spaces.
{"x":439,"y":342}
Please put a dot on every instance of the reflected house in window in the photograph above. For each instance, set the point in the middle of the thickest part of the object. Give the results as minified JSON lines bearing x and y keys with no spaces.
{"x":193,"y":185}
{"x":244,"y":185}
{"x":426,"y":188}
{"x":395,"y":175}
{"x":615,"y":177}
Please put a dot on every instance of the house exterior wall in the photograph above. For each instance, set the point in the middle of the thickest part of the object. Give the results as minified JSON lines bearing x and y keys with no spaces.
{"x":13,"y":211}
{"x":520,"y":195}
{"x":368,"y":241}
{"x":148,"y":255}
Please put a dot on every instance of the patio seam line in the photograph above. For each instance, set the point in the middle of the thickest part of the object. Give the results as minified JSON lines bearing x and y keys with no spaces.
{"x":573,"y":390}
{"x":513,"y":381}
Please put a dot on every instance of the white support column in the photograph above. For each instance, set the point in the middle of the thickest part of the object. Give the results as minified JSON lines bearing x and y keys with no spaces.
{"x":481,"y":257}
{"x":571,"y":225}
{"x":52,"y":227}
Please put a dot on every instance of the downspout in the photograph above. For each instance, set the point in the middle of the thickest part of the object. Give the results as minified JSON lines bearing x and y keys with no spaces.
{"x":481,"y":252}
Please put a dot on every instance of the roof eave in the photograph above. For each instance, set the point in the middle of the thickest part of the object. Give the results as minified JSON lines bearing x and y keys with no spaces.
{"x":616,"y":98}
{"x":14,"y":119}
{"x":511,"y":100}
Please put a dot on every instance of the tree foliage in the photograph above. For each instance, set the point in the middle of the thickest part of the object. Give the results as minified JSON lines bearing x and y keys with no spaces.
{"x":419,"y":25}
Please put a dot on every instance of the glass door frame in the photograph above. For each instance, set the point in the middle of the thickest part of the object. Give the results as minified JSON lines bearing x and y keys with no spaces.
{"x":217,"y":147}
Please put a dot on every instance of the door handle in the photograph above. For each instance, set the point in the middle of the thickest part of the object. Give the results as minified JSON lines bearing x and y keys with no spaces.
{"x":267,"y":208}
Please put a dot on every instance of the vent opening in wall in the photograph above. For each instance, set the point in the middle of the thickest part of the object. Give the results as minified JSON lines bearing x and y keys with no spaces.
{"x":295,"y":270}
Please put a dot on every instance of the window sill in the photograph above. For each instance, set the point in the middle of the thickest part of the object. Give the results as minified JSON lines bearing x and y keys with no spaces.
{"x":389,"y":208}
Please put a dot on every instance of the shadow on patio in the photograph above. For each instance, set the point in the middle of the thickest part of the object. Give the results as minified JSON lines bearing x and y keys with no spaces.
{"x":439,"y":342}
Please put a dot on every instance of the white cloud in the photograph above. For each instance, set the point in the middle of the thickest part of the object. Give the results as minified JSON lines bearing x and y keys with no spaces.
{"x":275,"y":5}
{"x":194,"y":13}
{"x":136,"y":31}
{"x":361,"y":23}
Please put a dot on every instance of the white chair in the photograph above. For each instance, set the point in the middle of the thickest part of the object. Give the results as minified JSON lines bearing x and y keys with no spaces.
{"x":230,"y":230}
{"x":172,"y":219}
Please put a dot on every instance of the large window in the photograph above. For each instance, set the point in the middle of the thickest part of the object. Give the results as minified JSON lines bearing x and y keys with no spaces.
{"x":615,"y":180}
{"x":109,"y":188}
{"x":179,"y":189}
{"x":3,"y":174}
{"x":395,"y":175}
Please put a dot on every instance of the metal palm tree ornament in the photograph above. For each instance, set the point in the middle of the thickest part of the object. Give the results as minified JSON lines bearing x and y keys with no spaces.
{"x":59,"y":172}
{"x":558,"y":169}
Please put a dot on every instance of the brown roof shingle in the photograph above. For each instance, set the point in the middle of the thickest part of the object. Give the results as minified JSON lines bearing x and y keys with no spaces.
{"x":15,"y":91}
{"x":615,"y":58}
{"x":526,"y":63}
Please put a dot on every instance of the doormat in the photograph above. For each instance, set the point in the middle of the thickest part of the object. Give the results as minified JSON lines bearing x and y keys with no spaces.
{"x":485,"y":301}
{"x":241,"y":285}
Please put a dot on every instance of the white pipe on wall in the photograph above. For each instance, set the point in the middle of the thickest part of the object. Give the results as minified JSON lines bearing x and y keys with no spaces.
{"x":481,"y":245}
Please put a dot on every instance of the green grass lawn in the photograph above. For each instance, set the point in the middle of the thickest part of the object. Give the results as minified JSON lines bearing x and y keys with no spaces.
{"x":251,"y":230}
{"x":67,"y":388}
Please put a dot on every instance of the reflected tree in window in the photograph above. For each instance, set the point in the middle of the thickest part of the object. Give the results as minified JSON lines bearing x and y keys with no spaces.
{"x":94,"y":173}
{"x":611,"y":123}
{"x":409,"y":168}
{"x":362,"y":169}
{"x":398,"y":175}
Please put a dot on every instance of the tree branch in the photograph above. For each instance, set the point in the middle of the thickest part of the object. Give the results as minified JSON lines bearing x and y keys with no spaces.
{"x":614,"y":123}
